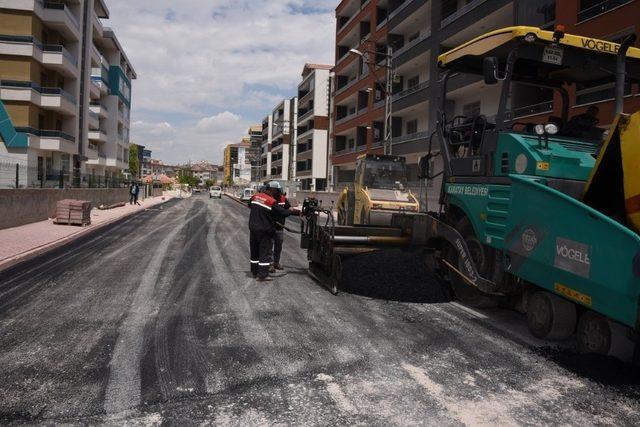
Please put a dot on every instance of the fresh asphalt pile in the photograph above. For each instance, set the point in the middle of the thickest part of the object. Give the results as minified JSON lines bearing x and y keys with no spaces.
{"x":394,"y":275}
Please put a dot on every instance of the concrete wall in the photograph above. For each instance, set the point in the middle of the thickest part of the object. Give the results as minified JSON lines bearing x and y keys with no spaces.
{"x":24,"y":206}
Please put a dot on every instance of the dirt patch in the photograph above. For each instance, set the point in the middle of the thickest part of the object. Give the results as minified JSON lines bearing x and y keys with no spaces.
{"x":393,"y":275}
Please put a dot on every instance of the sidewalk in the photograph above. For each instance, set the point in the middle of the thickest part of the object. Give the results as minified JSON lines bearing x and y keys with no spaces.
{"x":19,"y":244}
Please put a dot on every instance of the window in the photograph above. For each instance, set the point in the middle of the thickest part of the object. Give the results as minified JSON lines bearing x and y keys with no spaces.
{"x":471,"y":110}
{"x":412,"y":127}
{"x":414,"y":36}
{"x":413,"y":82}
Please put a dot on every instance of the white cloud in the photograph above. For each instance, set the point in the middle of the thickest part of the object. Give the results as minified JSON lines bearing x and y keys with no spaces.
{"x":221,"y":121}
{"x":208,"y":58}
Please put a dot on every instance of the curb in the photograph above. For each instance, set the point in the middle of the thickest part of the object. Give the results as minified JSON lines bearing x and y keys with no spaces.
{"x":56,"y":244}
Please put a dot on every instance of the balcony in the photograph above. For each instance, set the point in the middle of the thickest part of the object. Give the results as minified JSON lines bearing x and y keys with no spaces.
{"x":102,"y":85}
{"x":412,"y":137}
{"x":51,"y":98}
{"x":460,"y":12}
{"x":58,"y":17}
{"x":54,"y":57}
{"x":52,"y":140}
{"x":93,"y":120}
{"x":305,"y":116}
{"x":600,"y":8}
{"x":531,"y":110}
{"x":97,"y":135}
{"x":99,"y":109}
{"x":347,"y":23}
{"x":97,"y":26}
{"x":409,"y":91}
{"x":423,"y":36}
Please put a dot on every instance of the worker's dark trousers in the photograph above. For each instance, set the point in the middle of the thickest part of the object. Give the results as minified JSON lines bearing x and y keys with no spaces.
{"x":277,"y":246}
{"x":260,"y":244}
{"x":132,"y":199}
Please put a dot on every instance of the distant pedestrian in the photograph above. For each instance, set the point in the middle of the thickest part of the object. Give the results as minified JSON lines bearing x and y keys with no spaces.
{"x":134,"y":191}
{"x":262,"y":229}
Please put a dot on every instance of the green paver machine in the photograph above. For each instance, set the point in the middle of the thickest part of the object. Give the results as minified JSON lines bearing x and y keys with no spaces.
{"x":535,"y":215}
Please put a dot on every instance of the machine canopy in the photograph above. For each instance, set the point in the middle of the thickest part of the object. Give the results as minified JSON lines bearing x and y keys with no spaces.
{"x":572,"y":59}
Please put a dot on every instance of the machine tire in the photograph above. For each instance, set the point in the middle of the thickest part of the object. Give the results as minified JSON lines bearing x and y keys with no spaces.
{"x":465,"y":293}
{"x":594,"y":333}
{"x":550,"y":317}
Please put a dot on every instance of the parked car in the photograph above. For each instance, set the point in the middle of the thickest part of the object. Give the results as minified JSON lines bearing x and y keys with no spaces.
{"x":215,"y":191}
{"x":246,"y":194}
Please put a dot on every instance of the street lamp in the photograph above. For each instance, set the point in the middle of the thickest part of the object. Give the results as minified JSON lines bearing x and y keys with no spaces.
{"x":387,"y":91}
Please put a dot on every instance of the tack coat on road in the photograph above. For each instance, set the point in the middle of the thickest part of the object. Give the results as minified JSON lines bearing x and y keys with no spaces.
{"x":173,"y":328}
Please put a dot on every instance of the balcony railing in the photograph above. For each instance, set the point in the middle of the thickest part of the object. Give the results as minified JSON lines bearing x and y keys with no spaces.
{"x":93,"y":115}
{"x":59,"y":6}
{"x":346,"y":118}
{"x":348,"y":85}
{"x":600,"y":8}
{"x":532,"y":110}
{"x":460,"y":12}
{"x":46,"y":133}
{"x":399,"y":9}
{"x":43,"y":47}
{"x":411,"y":90}
{"x":412,"y":43}
{"x":99,"y":105}
{"x":42,"y":90}
{"x":306,"y":115}
{"x":411,"y":137}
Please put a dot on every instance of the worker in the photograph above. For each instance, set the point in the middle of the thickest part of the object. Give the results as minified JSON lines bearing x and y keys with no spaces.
{"x":264,"y":208}
{"x":278,"y":238}
{"x":585,"y":125}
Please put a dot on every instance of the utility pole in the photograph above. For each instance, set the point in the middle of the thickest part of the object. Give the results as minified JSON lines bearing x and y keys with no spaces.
{"x":388,"y":105}
{"x":388,"y":90}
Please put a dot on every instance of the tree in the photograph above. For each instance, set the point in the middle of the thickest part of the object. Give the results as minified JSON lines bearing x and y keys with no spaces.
{"x":210,"y":183}
{"x":134,"y":162}
{"x":191,"y":181}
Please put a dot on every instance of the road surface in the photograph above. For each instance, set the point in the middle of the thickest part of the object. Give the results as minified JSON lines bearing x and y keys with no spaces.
{"x":157,"y":320}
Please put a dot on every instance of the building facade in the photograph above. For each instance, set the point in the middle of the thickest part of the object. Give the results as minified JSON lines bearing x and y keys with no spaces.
{"x":417,"y":31}
{"x":65,"y":82}
{"x":255,"y":139}
{"x":311,"y":147}
{"x":283,"y":136}
{"x":237,"y":164}
{"x":358,"y":88}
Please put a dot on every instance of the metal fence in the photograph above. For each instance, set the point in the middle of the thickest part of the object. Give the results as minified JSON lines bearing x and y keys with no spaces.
{"x":20,"y":175}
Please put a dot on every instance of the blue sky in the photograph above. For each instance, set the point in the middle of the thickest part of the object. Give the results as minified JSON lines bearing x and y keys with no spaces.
{"x":208,"y":69}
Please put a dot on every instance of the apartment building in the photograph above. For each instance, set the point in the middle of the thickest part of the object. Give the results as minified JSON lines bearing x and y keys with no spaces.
{"x":283,"y":134}
{"x":237,"y":163}
{"x":357,"y":116}
{"x":265,"y":147}
{"x":311,"y":148}
{"x":66,"y":86}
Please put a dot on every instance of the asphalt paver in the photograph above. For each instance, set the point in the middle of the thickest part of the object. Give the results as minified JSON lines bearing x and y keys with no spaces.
{"x":158,"y":320}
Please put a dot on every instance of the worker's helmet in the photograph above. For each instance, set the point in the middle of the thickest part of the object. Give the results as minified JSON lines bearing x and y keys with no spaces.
{"x":274,"y":184}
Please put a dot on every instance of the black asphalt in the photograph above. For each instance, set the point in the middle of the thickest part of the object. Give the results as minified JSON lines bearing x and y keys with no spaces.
{"x":157,"y":320}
